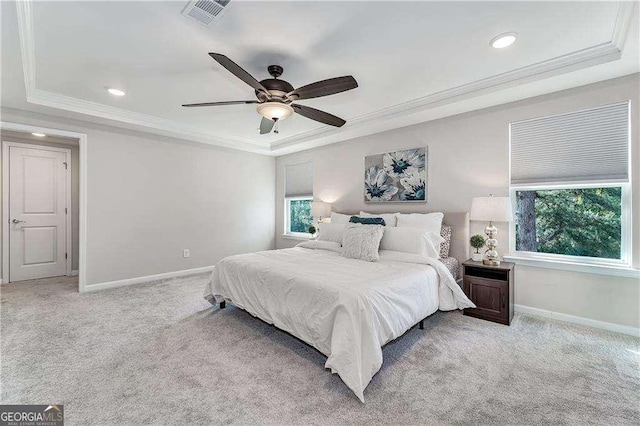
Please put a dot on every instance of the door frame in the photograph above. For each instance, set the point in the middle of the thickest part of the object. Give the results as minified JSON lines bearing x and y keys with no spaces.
{"x":6,"y":147}
{"x":82,"y":142}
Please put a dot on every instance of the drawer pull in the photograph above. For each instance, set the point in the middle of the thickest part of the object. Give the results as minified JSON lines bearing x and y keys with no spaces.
{"x":504,"y":301}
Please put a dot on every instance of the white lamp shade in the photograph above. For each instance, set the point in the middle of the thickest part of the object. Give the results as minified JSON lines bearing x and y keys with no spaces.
{"x":319,"y":209}
{"x":491,"y":209}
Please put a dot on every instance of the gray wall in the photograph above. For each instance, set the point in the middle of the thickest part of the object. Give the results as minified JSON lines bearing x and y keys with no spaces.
{"x":150,"y":197}
{"x":75,"y":206}
{"x":469,"y":157}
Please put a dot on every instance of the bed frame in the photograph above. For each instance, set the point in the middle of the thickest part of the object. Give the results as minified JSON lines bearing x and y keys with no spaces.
{"x":459,"y":223}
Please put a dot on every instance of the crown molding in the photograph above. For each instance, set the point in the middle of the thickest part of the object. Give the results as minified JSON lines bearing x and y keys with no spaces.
{"x":594,"y":55}
{"x":622,"y":24}
{"x":156,"y":124}
{"x":160,"y":125}
{"x":27,"y":45}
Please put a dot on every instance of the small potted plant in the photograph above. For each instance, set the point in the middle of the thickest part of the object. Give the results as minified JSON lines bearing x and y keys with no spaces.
{"x":312,"y":230}
{"x":477,"y":242}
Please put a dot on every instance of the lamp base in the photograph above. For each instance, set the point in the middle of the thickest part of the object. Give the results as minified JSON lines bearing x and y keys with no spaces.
{"x":491,"y":255}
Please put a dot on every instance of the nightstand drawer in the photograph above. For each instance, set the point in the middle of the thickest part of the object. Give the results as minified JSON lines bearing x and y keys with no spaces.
{"x":489,"y":295}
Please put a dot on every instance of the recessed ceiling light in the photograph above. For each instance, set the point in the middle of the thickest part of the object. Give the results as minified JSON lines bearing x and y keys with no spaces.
{"x":40,"y":135}
{"x":503,"y":40}
{"x":116,"y":92}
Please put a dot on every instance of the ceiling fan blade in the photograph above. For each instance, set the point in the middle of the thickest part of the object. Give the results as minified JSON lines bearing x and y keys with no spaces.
{"x":236,"y":70}
{"x":317,"y":115}
{"x":220,"y":103}
{"x":266,"y":125}
{"x":325,"y":87}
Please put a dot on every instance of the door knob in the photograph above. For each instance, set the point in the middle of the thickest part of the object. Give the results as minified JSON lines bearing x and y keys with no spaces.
{"x":16,"y":221}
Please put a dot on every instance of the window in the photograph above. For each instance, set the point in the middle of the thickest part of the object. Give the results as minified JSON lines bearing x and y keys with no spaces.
{"x":570,"y":221}
{"x":298,"y":199}
{"x":570,"y":186}
{"x":299,"y":215}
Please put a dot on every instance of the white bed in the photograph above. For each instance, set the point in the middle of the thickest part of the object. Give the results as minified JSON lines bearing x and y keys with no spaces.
{"x":347,"y":309}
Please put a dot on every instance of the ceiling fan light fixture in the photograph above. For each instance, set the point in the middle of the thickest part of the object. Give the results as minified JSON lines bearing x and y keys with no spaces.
{"x":503,"y":40}
{"x":275,"y":95}
{"x":274,"y":110}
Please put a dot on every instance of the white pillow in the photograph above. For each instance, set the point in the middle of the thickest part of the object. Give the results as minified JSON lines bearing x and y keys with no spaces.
{"x":340,"y":218}
{"x":412,"y":240}
{"x":321,"y":245}
{"x":431,"y":222}
{"x":331,"y":232}
{"x":362,"y":241}
{"x":390,"y":219}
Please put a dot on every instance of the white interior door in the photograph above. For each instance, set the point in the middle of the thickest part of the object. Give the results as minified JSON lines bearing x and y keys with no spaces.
{"x":37,"y":215}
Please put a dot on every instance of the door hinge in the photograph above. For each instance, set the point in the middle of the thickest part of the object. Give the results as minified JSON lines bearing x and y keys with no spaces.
{"x":65,"y":255}
{"x":65,"y":165}
{"x":65,"y":211}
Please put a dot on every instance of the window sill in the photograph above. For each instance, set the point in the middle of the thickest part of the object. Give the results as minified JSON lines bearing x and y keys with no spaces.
{"x":296,"y":237}
{"x":617,"y":271}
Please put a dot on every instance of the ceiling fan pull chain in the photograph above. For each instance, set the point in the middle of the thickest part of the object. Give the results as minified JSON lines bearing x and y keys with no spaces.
{"x":275,"y":128}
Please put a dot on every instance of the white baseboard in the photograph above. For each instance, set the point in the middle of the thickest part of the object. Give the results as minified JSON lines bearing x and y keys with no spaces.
{"x":74,"y":273}
{"x":145,"y":279}
{"x":609,"y":326}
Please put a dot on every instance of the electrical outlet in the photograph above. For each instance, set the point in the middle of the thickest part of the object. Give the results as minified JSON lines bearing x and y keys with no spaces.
{"x":185,"y":253}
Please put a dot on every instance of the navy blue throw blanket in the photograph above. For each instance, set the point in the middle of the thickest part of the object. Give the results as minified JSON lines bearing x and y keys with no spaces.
{"x":368,"y":220}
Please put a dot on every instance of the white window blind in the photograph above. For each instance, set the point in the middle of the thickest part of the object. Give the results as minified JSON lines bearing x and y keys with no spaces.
{"x":298,"y":180}
{"x":590,"y":145}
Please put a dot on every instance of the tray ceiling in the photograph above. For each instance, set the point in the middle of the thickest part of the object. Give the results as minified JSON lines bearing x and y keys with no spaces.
{"x":414,"y":61}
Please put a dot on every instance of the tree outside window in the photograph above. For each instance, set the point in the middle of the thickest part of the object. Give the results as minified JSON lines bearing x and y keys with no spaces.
{"x":575,"y":222}
{"x":299,"y":214}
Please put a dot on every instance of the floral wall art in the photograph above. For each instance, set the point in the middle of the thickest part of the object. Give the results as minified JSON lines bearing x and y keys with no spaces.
{"x":399,"y":176}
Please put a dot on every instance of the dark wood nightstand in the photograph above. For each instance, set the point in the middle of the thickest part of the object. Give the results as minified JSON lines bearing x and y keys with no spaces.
{"x":491,"y":289}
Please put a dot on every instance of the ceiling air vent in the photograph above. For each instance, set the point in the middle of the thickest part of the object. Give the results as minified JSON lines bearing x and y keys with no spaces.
{"x":204,"y":11}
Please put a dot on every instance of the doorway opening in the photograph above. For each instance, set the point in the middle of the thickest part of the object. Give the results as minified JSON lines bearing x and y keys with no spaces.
{"x":42,"y":223}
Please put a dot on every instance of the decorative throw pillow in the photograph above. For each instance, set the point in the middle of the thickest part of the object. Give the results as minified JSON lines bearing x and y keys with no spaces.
{"x":362,"y":241}
{"x":340,"y":218}
{"x":390,"y":219}
{"x":411,"y":240}
{"x":368,"y":220}
{"x":431,"y":222}
{"x":331,"y":232}
{"x":452,"y":265}
{"x":445,"y":247}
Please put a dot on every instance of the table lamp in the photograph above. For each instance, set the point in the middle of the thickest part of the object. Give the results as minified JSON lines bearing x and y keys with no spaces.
{"x":491,"y":209}
{"x":320,"y":210}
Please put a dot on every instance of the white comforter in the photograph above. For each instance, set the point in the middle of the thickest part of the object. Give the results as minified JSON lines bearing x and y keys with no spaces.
{"x":346,"y":308}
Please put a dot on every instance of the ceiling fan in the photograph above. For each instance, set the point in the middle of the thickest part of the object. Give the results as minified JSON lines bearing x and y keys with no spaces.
{"x":276,"y":97}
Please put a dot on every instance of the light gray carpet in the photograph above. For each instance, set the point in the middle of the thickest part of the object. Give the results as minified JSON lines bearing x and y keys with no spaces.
{"x":158,"y":354}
